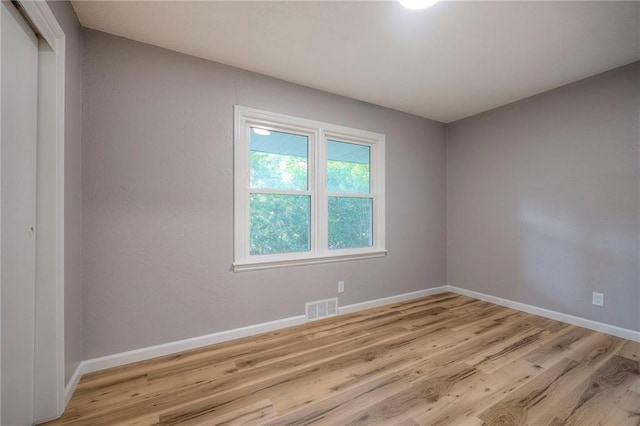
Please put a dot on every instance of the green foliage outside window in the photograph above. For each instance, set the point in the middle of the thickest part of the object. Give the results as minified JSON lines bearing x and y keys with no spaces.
{"x":277,"y":171}
{"x":350,"y":222}
{"x":280,"y":223}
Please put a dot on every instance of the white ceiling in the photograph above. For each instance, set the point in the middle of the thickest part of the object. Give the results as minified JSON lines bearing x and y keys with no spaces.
{"x":447,"y":62}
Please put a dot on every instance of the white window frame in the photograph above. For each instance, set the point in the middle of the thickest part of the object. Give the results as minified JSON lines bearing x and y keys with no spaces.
{"x":318,"y":133}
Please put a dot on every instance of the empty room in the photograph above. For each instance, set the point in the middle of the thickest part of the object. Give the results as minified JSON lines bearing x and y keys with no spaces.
{"x":398,"y":212}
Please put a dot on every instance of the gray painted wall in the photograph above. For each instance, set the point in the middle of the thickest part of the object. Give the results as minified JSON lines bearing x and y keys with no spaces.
{"x":157,"y":160}
{"x":67,"y":19}
{"x":543,"y":199}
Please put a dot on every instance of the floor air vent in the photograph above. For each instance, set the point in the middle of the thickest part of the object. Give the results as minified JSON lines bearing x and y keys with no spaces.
{"x":321,"y":308}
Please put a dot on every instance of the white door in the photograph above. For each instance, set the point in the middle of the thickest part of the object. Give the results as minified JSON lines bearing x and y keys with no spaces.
{"x":18,"y":215}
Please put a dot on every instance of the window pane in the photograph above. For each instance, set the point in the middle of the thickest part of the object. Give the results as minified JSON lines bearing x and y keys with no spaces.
{"x":279,"y":223}
{"x":278,"y":160}
{"x":350,"y":222}
{"x":348,"y":167}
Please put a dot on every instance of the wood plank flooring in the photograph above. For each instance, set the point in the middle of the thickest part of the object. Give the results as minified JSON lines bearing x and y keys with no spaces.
{"x":440,"y":360}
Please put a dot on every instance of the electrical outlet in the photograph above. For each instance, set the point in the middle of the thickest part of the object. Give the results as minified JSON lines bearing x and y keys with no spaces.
{"x":340,"y":286}
{"x":598,"y":299}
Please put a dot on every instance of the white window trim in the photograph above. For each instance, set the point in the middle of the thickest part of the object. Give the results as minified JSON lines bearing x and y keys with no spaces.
{"x":317,"y":132}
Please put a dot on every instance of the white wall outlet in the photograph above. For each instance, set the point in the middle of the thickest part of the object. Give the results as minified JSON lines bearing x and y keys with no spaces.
{"x":598,"y":299}
{"x":340,"y":286}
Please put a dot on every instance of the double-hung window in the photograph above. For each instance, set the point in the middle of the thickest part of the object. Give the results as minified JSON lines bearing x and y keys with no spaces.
{"x":305,"y":191}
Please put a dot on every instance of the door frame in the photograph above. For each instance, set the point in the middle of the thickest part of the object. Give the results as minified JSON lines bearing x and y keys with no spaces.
{"x":49,"y":389}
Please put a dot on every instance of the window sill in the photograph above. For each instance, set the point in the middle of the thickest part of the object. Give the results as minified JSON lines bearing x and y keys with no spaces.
{"x":255,"y":266}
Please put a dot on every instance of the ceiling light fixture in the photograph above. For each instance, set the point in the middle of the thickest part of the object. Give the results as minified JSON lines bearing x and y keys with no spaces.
{"x":261,"y":132}
{"x":417,"y":4}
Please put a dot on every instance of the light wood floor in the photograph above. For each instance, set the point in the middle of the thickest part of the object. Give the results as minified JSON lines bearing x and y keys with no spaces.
{"x":440,"y":360}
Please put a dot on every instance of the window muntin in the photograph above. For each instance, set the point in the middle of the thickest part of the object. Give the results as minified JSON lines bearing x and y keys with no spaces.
{"x":305,"y":192}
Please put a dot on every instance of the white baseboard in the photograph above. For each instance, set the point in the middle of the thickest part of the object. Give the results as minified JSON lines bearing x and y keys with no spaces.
{"x":73,"y":383}
{"x":123,"y":358}
{"x":116,"y":360}
{"x":389,"y":300}
{"x":625,"y":333}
